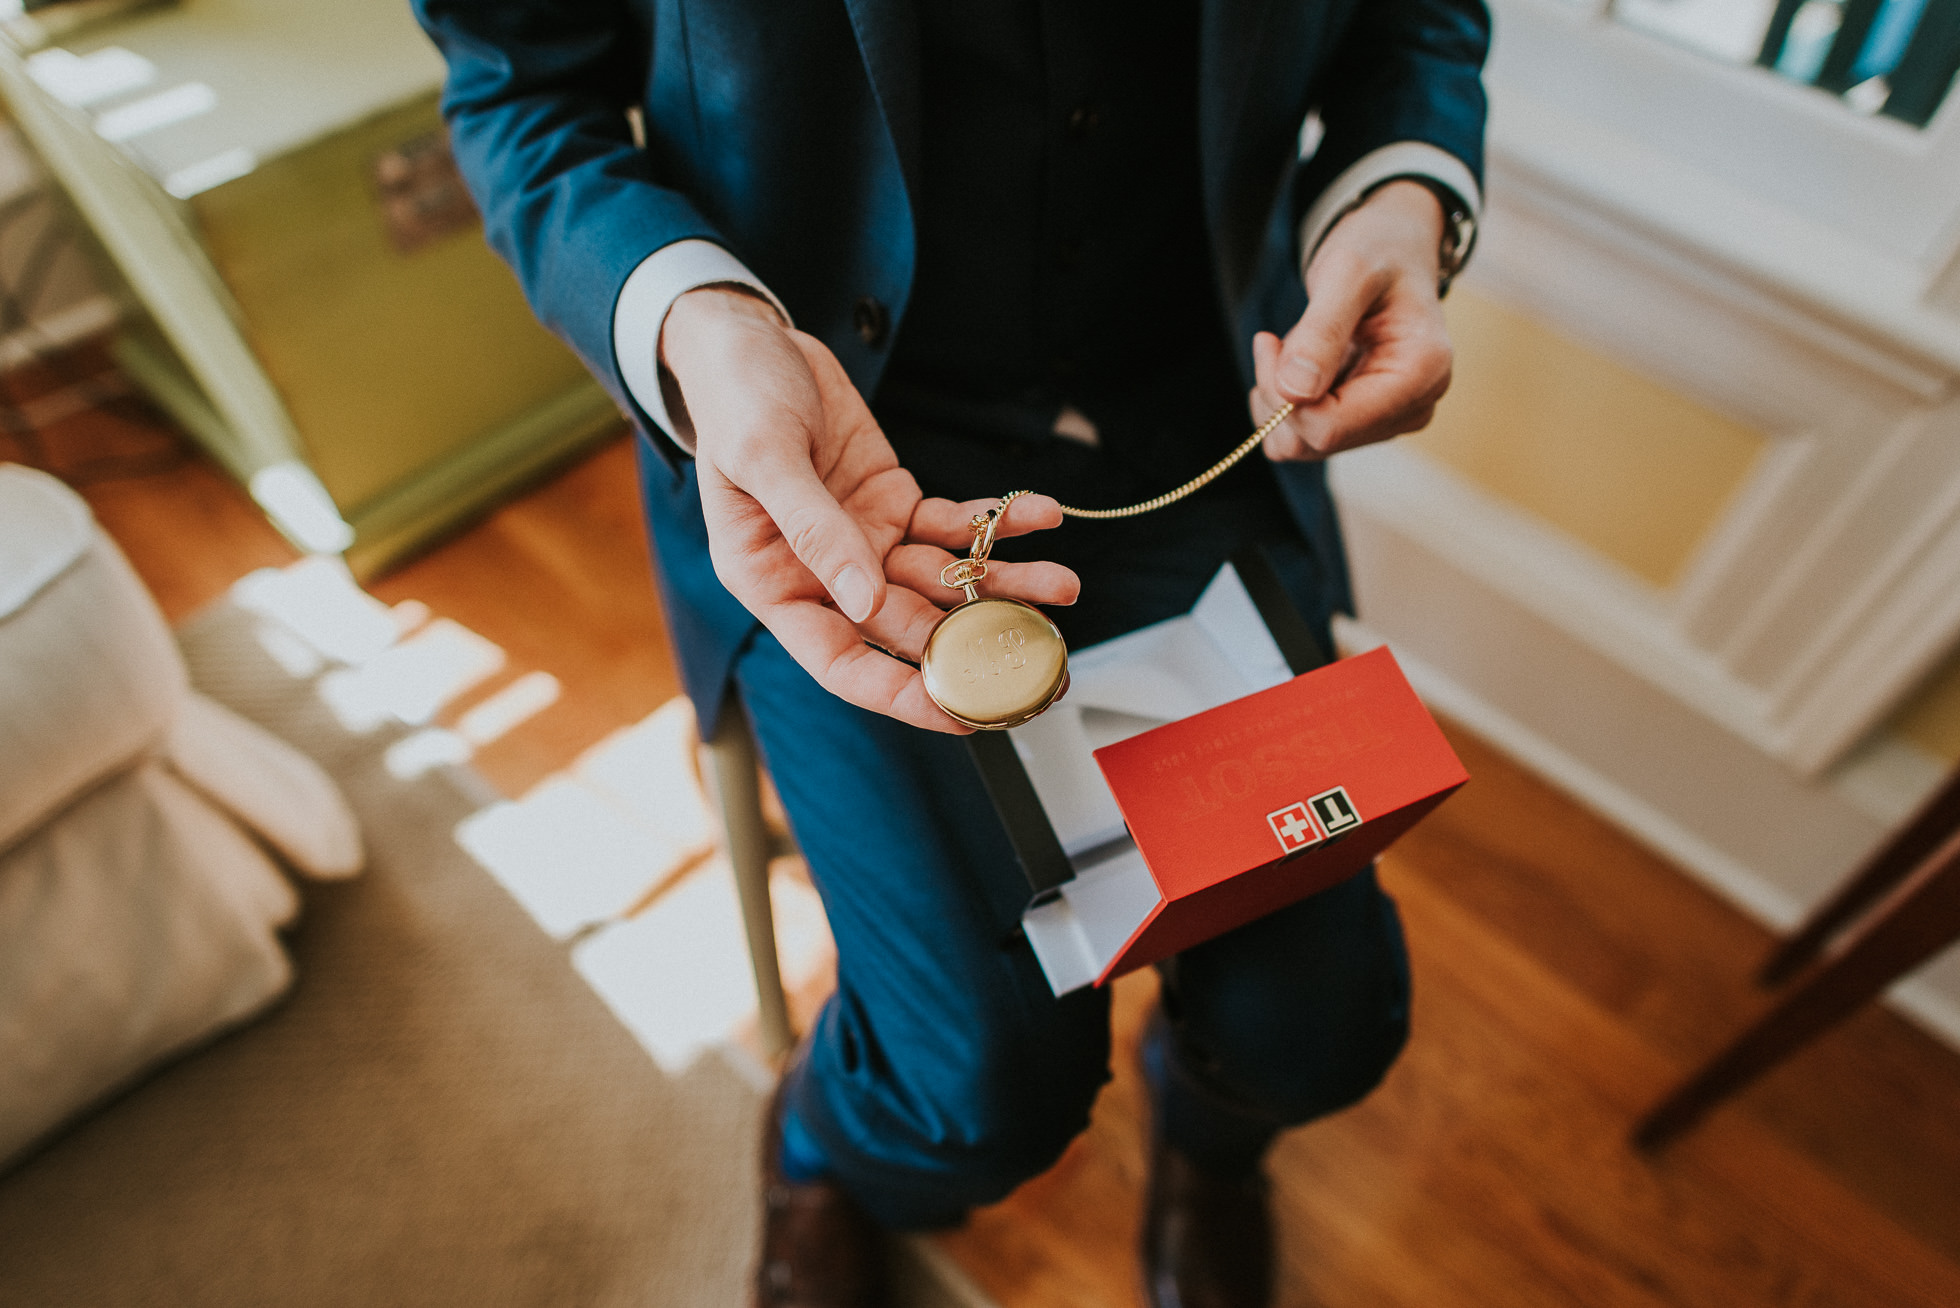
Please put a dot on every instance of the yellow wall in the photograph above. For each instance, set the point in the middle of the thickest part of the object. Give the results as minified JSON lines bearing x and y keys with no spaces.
{"x":1631,"y":468}
{"x":1931,"y":718}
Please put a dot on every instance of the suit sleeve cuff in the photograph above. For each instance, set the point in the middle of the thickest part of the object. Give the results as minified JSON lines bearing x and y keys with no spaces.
{"x":641,"y":310}
{"x":1402,"y":159}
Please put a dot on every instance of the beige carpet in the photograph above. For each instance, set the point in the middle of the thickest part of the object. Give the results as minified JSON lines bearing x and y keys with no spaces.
{"x":441,"y":1112}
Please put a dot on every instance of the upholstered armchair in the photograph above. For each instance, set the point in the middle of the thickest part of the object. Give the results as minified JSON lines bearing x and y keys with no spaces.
{"x":141,"y":828}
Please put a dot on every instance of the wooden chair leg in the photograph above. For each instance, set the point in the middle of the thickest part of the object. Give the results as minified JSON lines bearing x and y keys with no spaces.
{"x":1921,"y":918}
{"x":1938,"y":818}
{"x":736,"y":775}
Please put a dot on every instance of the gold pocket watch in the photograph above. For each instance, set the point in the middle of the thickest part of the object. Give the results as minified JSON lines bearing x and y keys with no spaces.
{"x":994,"y":663}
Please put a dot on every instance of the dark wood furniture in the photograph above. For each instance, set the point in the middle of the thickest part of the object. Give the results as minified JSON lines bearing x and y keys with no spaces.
{"x":1897,"y":911}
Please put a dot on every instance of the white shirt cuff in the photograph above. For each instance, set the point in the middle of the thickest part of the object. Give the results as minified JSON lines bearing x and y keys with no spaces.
{"x":650,"y":291}
{"x":1402,"y":159}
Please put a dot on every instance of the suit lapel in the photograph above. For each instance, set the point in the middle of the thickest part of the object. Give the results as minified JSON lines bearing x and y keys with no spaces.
{"x":887,"y":34}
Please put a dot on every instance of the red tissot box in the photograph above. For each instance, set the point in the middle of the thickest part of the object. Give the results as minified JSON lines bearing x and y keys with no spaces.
{"x":1247,"y":807}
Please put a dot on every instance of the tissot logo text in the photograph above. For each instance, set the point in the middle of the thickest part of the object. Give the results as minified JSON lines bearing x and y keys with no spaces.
{"x":1295,"y":827}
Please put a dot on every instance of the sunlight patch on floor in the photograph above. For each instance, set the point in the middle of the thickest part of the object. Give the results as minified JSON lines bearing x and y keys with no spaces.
{"x":318,"y":600}
{"x":511,"y":707}
{"x":614,"y":855}
{"x":677,"y":976}
{"x":571,"y":856}
{"x":411,"y":680}
{"x":413,"y":755}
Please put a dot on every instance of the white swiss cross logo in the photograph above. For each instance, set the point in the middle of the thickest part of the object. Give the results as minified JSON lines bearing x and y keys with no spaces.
{"x":1295,"y":827}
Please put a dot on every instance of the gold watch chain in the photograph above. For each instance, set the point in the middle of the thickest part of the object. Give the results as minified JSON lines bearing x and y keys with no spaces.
{"x":1203,"y":479}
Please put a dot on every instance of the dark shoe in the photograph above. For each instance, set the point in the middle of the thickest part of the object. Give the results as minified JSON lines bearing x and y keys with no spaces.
{"x":819,"y":1249}
{"x":1207,"y":1240}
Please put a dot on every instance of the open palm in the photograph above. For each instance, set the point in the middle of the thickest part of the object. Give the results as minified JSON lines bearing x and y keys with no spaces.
{"x":815,"y":527}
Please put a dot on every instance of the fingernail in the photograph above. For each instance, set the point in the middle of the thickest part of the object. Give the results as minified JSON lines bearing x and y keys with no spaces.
{"x":852,"y":591}
{"x":1299,"y":377}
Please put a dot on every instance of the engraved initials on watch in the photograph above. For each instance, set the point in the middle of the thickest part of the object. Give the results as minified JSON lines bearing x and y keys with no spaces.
{"x":1011,"y":642}
{"x":982,"y":661}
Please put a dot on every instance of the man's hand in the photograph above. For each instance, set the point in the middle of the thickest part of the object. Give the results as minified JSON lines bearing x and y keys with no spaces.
{"x":812,"y":523}
{"x":1370,"y":357}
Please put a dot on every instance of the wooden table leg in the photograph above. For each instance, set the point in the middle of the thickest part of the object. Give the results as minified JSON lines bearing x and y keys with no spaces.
{"x":1938,"y":818}
{"x":736,"y":776}
{"x":1920,"y":918}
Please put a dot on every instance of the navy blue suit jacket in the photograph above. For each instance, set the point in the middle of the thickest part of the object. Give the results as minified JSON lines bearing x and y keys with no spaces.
{"x":787,"y":131}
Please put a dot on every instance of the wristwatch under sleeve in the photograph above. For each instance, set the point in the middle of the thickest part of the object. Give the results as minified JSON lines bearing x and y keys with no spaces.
{"x":1459,"y":225}
{"x":1459,"y":233}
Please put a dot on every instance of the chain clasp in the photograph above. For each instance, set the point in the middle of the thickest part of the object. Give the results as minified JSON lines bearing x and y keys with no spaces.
{"x":965,"y":574}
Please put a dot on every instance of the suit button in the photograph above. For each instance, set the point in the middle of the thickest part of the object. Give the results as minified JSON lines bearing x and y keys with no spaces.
{"x":1083,"y":120}
{"x":870,"y":318}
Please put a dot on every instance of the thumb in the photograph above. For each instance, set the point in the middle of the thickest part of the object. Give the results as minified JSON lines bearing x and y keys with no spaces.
{"x":825,"y":539}
{"x":1313,"y":353}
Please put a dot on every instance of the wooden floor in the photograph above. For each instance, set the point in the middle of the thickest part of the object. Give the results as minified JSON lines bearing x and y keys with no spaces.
{"x":1564,"y":977}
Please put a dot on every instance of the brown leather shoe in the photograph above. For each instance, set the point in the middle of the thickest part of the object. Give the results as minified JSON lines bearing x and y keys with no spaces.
{"x":819,"y":1248}
{"x":1207,"y":1240}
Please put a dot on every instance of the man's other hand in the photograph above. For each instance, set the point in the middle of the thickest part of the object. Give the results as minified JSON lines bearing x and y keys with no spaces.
{"x":1370,"y":357}
{"x":812,"y":523}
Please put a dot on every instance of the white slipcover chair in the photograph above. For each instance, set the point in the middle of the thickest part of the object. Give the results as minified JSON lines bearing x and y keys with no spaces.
{"x":139,"y":910}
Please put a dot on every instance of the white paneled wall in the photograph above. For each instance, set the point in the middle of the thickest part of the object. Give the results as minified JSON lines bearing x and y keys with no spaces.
{"x":1728,"y":236}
